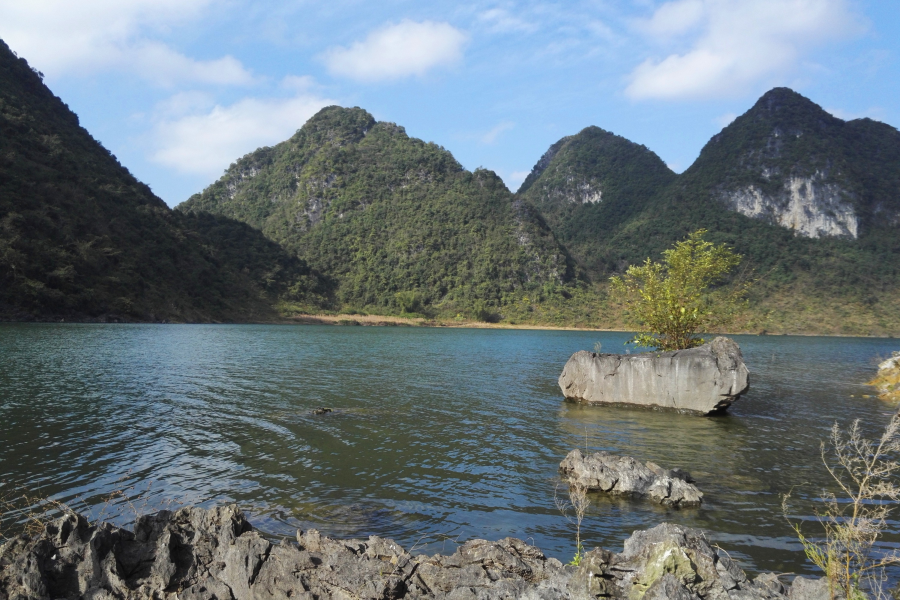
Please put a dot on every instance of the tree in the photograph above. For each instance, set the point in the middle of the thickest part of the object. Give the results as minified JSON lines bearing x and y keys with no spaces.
{"x":670,"y":301}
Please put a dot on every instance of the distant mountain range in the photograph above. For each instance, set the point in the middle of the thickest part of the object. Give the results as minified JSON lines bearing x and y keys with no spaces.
{"x":353,"y":214}
{"x":808,"y":199}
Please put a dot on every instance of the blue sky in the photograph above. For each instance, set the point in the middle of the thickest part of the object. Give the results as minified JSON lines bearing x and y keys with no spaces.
{"x":179,"y":89}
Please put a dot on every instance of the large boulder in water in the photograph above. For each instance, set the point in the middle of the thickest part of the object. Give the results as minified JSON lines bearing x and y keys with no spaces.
{"x":706,"y":379}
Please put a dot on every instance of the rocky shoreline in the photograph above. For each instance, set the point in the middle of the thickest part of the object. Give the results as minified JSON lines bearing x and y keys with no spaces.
{"x":215,"y":554}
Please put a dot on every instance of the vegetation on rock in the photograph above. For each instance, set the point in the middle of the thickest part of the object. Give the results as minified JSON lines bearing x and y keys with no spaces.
{"x":888,"y":379}
{"x":669,"y":302}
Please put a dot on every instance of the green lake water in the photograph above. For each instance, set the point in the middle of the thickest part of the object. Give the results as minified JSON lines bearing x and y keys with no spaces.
{"x":438,"y":435}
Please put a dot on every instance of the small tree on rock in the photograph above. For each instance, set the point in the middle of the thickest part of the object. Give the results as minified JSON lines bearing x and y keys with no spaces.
{"x":671,"y":301}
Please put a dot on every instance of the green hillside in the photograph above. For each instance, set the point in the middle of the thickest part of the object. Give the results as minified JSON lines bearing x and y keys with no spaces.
{"x":353,"y":214}
{"x":81,"y":238}
{"x":828,"y":284}
{"x":386,"y":214}
{"x":588,"y":185}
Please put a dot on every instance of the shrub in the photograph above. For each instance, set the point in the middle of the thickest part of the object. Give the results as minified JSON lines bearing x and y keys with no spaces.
{"x":670,"y":301}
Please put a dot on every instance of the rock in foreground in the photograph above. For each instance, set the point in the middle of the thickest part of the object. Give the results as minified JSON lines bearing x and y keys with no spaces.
{"x":706,"y":379}
{"x":623,"y":475}
{"x":195,"y":554}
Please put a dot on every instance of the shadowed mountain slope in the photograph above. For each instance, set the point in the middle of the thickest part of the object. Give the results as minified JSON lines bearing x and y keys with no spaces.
{"x":81,"y":238}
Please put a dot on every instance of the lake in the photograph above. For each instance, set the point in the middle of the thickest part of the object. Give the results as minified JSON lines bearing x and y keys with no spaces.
{"x":438,"y":435}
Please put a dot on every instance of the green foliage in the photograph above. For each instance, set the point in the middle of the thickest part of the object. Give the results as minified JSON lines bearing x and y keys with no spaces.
{"x":409,"y":302}
{"x":671,"y":301}
{"x":382,"y":214}
{"x":826,"y":285}
{"x":81,"y":238}
{"x":588,"y":185}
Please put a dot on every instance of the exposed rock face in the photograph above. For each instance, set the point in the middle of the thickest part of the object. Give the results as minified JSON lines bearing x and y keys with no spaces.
{"x":195,"y":554}
{"x":706,"y":379}
{"x":623,"y":475}
{"x":808,"y":205}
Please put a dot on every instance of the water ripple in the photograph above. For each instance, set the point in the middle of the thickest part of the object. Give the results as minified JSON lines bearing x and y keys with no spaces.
{"x":437,"y":436}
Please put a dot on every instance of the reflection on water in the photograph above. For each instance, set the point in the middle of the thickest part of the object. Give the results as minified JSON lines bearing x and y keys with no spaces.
{"x":437,"y":434}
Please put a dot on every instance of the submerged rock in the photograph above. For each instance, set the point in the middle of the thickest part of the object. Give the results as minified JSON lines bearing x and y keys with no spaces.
{"x":623,"y":475}
{"x":706,"y":379}
{"x":196,"y":554}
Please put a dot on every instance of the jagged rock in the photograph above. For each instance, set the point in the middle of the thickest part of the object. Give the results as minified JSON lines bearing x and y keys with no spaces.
{"x":706,"y":379}
{"x":623,"y":475}
{"x":196,"y":554}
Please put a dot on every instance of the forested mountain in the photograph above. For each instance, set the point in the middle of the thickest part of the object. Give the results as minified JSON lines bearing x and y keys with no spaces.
{"x":588,"y":185}
{"x":81,"y":238}
{"x":807,"y":198}
{"x":353,"y":214}
{"x":788,"y":162}
{"x":385,"y":214}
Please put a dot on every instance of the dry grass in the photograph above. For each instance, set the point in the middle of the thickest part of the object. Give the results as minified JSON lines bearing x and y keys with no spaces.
{"x":393,"y":321}
{"x":888,"y":381}
{"x":578,"y":501}
{"x":853,"y":520}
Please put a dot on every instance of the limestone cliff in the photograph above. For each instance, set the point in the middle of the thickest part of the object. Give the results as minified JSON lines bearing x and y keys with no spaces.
{"x":788,"y":162}
{"x":810,"y":206}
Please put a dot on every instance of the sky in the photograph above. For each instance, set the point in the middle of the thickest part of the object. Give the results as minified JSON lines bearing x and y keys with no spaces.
{"x":180,"y":89}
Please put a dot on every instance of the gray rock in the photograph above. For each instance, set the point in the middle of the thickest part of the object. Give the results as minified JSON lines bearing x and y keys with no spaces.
{"x":623,"y":475}
{"x":706,"y":379}
{"x":812,"y":589}
{"x":195,"y":554}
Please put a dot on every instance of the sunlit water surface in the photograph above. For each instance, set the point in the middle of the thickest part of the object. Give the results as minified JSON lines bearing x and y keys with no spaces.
{"x":438,"y":435}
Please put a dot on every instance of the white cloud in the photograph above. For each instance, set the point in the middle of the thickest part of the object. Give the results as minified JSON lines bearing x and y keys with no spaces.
{"x":206,"y":143}
{"x":501,"y":21}
{"x":87,"y":36}
{"x":725,"y":120}
{"x":397,"y":51}
{"x":674,"y":18}
{"x":735,"y":43}
{"x":491,"y":136}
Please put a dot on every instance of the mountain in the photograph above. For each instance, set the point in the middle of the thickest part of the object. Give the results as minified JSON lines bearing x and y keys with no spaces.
{"x":789,"y":162}
{"x":386,"y":214}
{"x":807,"y":198}
{"x":82,"y":239}
{"x":589,"y":184}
